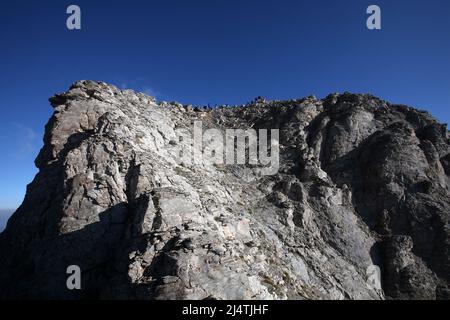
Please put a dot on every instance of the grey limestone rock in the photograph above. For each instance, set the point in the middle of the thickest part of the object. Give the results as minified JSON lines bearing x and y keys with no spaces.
{"x":361,"y":183}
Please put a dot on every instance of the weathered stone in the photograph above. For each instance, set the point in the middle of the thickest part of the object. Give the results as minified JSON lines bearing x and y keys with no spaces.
{"x":361,"y":182}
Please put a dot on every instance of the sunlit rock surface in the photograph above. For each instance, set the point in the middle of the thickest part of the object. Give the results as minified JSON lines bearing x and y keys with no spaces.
{"x":361,"y":183}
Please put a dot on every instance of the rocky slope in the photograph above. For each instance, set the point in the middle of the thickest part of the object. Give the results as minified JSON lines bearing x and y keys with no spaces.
{"x":4,"y":215}
{"x":361,"y":182}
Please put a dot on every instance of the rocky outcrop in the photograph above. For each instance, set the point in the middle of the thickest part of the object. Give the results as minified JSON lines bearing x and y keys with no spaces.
{"x":362,"y":184}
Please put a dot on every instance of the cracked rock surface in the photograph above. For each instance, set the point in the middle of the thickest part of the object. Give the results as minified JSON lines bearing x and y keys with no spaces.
{"x":361,"y":182}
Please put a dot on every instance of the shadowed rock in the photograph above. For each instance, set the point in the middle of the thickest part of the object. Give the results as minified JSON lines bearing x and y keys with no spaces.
{"x":361,"y":182}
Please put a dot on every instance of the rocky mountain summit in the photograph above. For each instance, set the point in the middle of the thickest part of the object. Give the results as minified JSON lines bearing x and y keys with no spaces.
{"x":362,"y":190}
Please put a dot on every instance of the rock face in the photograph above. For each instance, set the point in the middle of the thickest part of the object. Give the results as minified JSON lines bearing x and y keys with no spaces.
{"x":362,"y":186}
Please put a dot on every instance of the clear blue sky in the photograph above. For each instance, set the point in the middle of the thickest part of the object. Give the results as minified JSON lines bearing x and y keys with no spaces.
{"x":212,"y":51}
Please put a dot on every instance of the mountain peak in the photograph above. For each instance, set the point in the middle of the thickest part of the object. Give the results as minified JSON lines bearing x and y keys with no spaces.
{"x":342,"y":197}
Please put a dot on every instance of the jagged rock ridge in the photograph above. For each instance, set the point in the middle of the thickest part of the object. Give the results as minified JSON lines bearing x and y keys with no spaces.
{"x":361,"y":182}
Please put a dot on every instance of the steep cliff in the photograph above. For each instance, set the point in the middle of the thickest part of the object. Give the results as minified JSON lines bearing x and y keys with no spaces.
{"x":360,"y":184}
